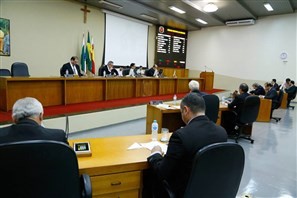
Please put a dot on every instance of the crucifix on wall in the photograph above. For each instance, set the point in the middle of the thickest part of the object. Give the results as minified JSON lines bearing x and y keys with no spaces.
{"x":85,"y":10}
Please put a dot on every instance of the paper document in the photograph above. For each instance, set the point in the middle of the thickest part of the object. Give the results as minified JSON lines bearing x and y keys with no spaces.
{"x":166,"y":106}
{"x":148,"y":145}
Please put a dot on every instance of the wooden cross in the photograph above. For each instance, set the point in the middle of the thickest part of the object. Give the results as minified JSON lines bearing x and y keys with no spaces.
{"x":85,"y":10}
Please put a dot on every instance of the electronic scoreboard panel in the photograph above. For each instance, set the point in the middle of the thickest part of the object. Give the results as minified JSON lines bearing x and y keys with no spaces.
{"x":171,"y":47}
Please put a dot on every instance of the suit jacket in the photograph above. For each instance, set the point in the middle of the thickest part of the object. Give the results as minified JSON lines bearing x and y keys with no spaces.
{"x":150,"y":72}
{"x":259,"y":91}
{"x":27,"y":129}
{"x":291,"y":91}
{"x":70,"y":70}
{"x":199,"y":93}
{"x":238,"y":101}
{"x":272,"y":94}
{"x":175,"y":167}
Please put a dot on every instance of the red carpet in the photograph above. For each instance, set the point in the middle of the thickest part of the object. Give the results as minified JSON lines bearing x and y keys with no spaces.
{"x":56,"y":111}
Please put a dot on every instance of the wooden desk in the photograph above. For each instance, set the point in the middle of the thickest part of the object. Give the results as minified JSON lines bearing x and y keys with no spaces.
{"x":114,"y":170}
{"x":52,"y":91}
{"x":284,"y":101}
{"x":171,"y":118}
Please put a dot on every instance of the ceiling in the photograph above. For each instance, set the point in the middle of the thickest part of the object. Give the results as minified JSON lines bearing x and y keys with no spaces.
{"x":228,"y":10}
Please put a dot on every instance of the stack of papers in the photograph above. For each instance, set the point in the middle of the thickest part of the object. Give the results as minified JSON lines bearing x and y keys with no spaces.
{"x":166,"y":106}
{"x":149,"y":145}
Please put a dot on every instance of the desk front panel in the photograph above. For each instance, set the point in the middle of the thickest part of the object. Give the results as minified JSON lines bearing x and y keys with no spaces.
{"x":120,"y":88}
{"x":167,"y":86}
{"x":81,"y":90}
{"x":147,"y":87}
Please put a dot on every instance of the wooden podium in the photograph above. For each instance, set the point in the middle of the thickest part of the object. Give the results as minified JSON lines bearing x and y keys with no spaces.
{"x":208,"y":82}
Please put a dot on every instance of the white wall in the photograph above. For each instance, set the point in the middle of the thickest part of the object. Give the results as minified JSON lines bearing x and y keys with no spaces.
{"x":45,"y":34}
{"x":246,"y":52}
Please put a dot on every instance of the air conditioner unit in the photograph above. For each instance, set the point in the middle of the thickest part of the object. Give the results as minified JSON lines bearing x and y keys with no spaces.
{"x":241,"y":22}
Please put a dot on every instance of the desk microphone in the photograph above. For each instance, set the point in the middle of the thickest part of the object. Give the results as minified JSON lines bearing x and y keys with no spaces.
{"x":67,"y":127}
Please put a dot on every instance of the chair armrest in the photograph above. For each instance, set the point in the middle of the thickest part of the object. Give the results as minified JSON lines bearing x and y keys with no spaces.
{"x":86,"y":186}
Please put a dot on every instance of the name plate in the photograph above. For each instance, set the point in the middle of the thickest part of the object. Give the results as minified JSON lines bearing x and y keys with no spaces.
{"x":82,"y":148}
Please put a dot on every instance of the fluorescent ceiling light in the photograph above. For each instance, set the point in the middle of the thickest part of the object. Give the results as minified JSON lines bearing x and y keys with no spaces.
{"x":177,"y":10}
{"x":268,"y":7}
{"x":210,"y":7}
{"x":149,"y":17}
{"x":201,"y":21}
{"x":110,"y":4}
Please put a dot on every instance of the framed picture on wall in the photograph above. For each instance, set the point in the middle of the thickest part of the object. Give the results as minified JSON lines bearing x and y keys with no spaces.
{"x":4,"y":37}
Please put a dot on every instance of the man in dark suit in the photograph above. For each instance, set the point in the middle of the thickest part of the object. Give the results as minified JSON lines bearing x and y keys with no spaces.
{"x":291,"y":91}
{"x":72,"y":67}
{"x":271,"y":93}
{"x":27,"y":114}
{"x":175,"y":167}
{"x":229,"y":118}
{"x":274,"y":84}
{"x":153,"y":71}
{"x":258,"y":90}
{"x":194,"y":87}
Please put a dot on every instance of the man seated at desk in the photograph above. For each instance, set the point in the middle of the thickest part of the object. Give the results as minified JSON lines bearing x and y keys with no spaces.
{"x":153,"y":71}
{"x":271,"y":93}
{"x":291,"y":91}
{"x":194,"y":87}
{"x":229,"y":118}
{"x":27,"y":114}
{"x":71,"y":68}
{"x":258,"y":90}
{"x":175,"y":167}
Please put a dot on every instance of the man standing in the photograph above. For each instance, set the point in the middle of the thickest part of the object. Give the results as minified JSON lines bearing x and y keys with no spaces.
{"x":175,"y":167}
{"x":72,"y":67}
{"x":27,"y":114}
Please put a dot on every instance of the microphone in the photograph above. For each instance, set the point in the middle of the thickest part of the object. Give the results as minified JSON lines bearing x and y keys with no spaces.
{"x":208,"y":68}
{"x":67,"y":127}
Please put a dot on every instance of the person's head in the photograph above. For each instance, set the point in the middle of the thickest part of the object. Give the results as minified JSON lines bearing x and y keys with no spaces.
{"x":155,"y":66}
{"x":273,"y":81}
{"x":268,"y":86}
{"x":292,"y":82}
{"x":243,"y":88}
{"x":288,"y":80}
{"x":132,"y":65}
{"x":192,"y":105}
{"x":255,"y":85}
{"x":194,"y":85}
{"x":29,"y":108}
{"x":110,"y":64}
{"x":74,"y":60}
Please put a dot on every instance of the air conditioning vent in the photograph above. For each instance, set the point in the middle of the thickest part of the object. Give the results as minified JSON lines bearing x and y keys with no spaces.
{"x":241,"y":22}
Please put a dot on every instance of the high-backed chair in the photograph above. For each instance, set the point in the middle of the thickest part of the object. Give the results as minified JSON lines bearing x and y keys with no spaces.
{"x":291,"y":97}
{"x":248,"y":115}
{"x":212,"y":105}
{"x":42,"y":169}
{"x":277,"y":105}
{"x":19,"y":69}
{"x":5,"y":72}
{"x":216,"y":172}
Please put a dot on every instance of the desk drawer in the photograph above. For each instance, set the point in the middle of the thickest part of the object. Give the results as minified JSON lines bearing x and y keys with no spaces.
{"x":115,"y":182}
{"x":125,"y":194}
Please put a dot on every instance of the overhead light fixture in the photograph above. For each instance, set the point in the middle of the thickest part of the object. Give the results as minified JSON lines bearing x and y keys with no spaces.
{"x":177,"y":10}
{"x":149,"y":17}
{"x":201,"y":21}
{"x":110,"y":4}
{"x":268,"y":7}
{"x":210,"y":7}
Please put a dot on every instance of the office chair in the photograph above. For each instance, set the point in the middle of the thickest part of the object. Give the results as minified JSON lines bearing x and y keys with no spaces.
{"x":126,"y":72}
{"x":212,"y":105}
{"x":42,"y":169}
{"x":216,"y":172}
{"x":248,"y":115}
{"x":277,"y":105}
{"x":19,"y":69}
{"x":5,"y":72}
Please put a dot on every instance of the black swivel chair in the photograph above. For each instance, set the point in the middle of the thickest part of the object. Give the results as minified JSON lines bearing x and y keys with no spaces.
{"x":277,"y":105}
{"x":19,"y":69}
{"x":216,"y":172}
{"x":5,"y":72}
{"x":212,"y":106}
{"x":248,"y":115}
{"x":43,"y":169}
{"x":126,"y":72}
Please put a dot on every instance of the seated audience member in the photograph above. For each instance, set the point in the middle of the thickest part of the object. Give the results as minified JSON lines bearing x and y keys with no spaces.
{"x":194,"y":87}
{"x":291,"y":91}
{"x":286,"y":84}
{"x":120,"y":71}
{"x":230,"y":117}
{"x":27,"y":114}
{"x":139,"y":71}
{"x":175,"y":166}
{"x":132,"y":71}
{"x":274,"y":84}
{"x":258,"y":90}
{"x":271,"y":93}
{"x":72,"y":67}
{"x":153,"y":71}
{"x":108,"y":70}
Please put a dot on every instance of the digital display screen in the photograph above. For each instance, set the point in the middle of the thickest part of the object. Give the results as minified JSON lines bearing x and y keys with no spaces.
{"x":171,"y":47}
{"x":82,"y":146}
